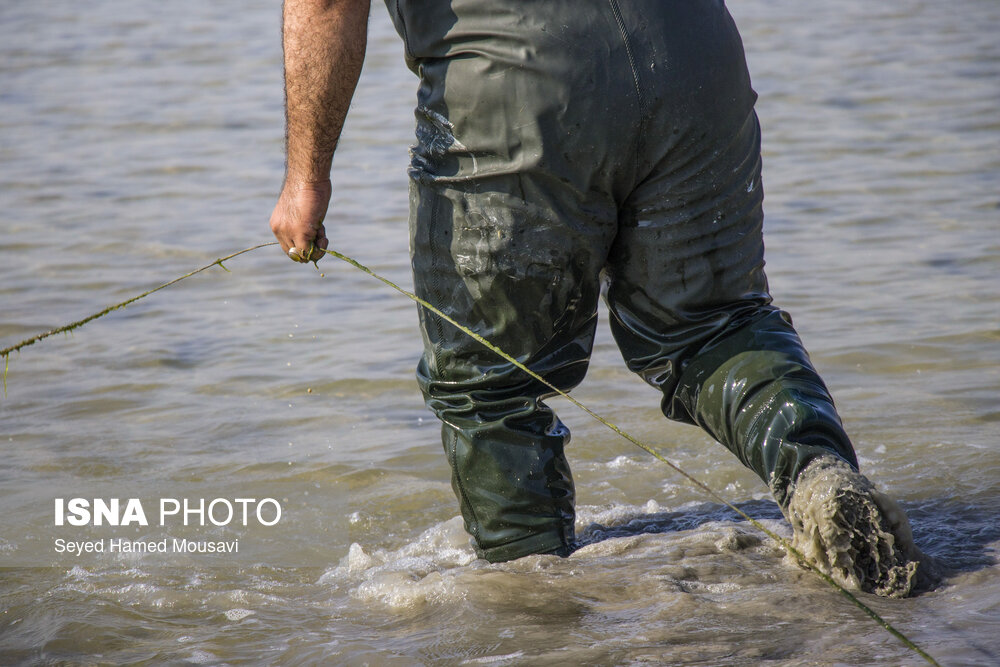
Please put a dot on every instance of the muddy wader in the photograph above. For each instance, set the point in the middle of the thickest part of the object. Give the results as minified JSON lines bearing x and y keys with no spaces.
{"x":566,"y":143}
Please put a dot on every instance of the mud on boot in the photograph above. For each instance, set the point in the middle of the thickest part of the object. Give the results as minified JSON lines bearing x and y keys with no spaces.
{"x":850,"y":531}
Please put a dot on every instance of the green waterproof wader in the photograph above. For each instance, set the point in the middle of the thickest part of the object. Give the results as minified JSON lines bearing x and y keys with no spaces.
{"x":560,"y":141}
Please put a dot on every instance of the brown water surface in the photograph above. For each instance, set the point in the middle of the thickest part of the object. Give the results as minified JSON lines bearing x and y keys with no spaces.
{"x":141,"y":140}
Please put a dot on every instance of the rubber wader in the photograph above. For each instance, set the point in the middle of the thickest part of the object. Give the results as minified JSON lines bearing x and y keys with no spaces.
{"x":562,"y":146}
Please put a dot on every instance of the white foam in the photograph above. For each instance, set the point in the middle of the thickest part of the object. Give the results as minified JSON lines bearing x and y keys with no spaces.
{"x":612,"y":514}
{"x":402,"y":590}
{"x":435,"y":567}
{"x":200,"y":657}
{"x":621,"y":462}
{"x":493,"y":659}
{"x":419,"y":572}
{"x":238,"y":614}
{"x":357,"y":560}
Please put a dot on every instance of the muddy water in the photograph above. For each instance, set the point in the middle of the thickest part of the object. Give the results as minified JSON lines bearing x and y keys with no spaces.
{"x":140,"y":141}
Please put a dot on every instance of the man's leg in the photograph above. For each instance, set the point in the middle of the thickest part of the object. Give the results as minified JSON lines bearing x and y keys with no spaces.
{"x":688,"y":296}
{"x":511,"y":219}
{"x":519,"y":278}
{"x":692,"y":314}
{"x":515,"y":263}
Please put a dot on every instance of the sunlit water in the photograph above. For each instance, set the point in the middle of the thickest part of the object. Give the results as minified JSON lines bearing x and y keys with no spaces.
{"x":141,"y":140}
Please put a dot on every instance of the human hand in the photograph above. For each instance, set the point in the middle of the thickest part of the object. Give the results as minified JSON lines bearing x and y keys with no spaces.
{"x":297,"y":220}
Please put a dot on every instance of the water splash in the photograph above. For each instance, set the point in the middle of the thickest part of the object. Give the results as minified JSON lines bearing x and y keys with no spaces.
{"x":853,"y":533}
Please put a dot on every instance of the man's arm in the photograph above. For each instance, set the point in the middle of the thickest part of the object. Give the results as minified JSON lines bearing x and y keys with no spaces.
{"x":324,"y":44}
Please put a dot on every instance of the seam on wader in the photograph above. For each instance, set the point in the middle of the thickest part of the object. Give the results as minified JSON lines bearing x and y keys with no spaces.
{"x":436,"y":284}
{"x":640,"y":99}
{"x":464,"y":497}
{"x":402,"y":25}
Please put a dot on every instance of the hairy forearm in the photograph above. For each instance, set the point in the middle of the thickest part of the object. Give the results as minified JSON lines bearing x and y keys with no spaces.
{"x":324,"y":46}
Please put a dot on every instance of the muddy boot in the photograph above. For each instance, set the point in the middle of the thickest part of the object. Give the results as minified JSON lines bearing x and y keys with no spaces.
{"x":850,"y":531}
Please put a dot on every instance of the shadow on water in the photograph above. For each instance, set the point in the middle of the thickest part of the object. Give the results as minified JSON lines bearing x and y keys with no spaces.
{"x":669,"y":522}
{"x":958,"y":535}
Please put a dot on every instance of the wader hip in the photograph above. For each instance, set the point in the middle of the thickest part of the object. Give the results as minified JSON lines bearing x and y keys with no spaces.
{"x":559,"y":142}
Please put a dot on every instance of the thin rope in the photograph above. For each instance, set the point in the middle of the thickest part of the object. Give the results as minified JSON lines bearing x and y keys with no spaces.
{"x":5,"y":353}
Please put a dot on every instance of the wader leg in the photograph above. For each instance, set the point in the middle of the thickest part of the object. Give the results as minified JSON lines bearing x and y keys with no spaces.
{"x":509,"y":238}
{"x":515,"y":276}
{"x":688,"y":295}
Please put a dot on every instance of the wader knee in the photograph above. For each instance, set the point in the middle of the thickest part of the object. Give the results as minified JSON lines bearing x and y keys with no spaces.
{"x":755,"y":391}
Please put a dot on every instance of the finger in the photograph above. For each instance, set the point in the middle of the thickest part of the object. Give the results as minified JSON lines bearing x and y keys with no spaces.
{"x":319,"y":244}
{"x":303,"y":241}
{"x":282,"y":238}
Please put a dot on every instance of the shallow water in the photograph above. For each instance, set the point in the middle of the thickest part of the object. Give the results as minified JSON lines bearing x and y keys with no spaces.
{"x":138,"y":142}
